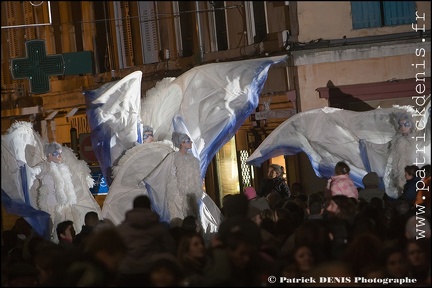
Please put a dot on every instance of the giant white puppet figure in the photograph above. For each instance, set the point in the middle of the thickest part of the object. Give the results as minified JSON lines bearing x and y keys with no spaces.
{"x":207,"y":103}
{"x":382,"y":140}
{"x":40,"y":176}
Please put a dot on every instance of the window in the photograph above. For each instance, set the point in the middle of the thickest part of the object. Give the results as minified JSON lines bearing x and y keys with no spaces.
{"x":256,"y":21}
{"x":149,"y":33}
{"x":367,"y":14}
{"x":185,"y":9}
{"x":220,"y":23}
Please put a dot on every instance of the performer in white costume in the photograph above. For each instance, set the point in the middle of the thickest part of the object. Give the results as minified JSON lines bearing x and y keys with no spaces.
{"x":184,"y":187}
{"x":54,"y":180}
{"x":401,"y":152}
{"x":63,"y":189}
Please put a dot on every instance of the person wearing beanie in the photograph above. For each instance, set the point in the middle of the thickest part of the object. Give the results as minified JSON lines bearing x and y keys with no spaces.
{"x":259,"y":202}
{"x":371,"y":188}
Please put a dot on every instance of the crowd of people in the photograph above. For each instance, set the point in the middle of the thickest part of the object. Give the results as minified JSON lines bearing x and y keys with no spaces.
{"x":363,"y":236}
{"x":167,"y":232}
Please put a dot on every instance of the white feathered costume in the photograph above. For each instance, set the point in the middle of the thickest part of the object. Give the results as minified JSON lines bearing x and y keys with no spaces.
{"x":60,"y":189}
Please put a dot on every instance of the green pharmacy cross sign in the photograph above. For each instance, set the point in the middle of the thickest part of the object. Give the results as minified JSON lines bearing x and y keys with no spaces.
{"x":38,"y":66}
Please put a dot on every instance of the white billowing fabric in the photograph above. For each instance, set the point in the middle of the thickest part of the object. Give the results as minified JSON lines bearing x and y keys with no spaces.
{"x":132,"y":168}
{"x":209,"y":103}
{"x":113,"y":112}
{"x":21,"y":145}
{"x":119,"y":113}
{"x":361,"y":139}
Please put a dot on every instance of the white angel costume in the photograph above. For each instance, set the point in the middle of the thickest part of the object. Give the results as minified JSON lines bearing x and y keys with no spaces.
{"x":401,"y":153}
{"x":183,"y":180}
{"x":45,"y":186}
{"x":63,"y":194}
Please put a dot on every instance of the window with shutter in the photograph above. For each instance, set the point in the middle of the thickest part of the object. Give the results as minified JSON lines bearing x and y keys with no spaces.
{"x":368,"y":14}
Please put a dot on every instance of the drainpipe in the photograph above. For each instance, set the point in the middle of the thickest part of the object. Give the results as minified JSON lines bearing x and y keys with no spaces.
{"x":200,"y":41}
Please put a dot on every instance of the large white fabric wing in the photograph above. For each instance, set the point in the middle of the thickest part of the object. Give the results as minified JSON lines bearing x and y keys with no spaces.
{"x":21,"y":151}
{"x":330,"y":135}
{"x":208,"y":102}
{"x":113,"y":112}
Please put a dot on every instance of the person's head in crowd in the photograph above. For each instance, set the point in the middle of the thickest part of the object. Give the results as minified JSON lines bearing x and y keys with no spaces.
{"x":236,"y":205}
{"x":103,"y":224}
{"x":22,"y":228}
{"x":315,"y":204}
{"x":51,"y":262}
{"x":274,"y":200}
{"x":65,"y":231}
{"x":341,"y":168}
{"x":165,"y":271}
{"x":296,"y":189}
{"x":395,"y":262}
{"x":362,"y":250}
{"x":91,"y":218}
{"x":304,"y":258}
{"x":191,"y":248}
{"x":141,"y":201}
{"x":224,"y":199}
{"x":274,"y":170}
{"x":301,"y":200}
{"x":410,"y":171}
{"x":377,"y":203}
{"x":254,"y":213}
{"x":418,"y":253}
{"x":147,"y":134}
{"x":242,"y":247}
{"x":191,"y":224}
{"x":341,"y":206}
{"x":250,"y":193}
{"x":268,"y":214}
{"x":412,"y":225}
{"x":371,"y":180}
{"x":107,"y":246}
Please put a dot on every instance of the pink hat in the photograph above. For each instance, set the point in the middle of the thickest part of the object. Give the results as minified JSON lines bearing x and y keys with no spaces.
{"x":250,"y":193}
